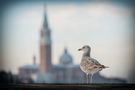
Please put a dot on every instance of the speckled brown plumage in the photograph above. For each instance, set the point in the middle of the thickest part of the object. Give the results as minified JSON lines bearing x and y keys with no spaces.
{"x":89,"y":65}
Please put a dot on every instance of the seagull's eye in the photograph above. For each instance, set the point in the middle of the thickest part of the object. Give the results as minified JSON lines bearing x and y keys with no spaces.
{"x":83,"y":47}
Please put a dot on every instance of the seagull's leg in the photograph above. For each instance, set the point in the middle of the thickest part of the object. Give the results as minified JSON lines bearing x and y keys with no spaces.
{"x":87,"y":75}
{"x":91,"y":75}
{"x":88,"y":78}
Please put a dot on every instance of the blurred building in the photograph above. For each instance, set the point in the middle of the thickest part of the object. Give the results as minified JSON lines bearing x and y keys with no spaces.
{"x":64,"y":72}
{"x":27,"y":72}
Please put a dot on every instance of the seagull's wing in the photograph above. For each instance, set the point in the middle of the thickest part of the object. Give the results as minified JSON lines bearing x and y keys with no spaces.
{"x":90,"y":61}
{"x":88,"y":64}
{"x":94,"y":61}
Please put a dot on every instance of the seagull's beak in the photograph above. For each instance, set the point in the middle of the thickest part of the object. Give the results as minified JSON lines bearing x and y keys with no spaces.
{"x":79,"y":49}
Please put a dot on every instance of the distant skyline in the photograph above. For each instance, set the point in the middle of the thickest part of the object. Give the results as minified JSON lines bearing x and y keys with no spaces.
{"x":105,"y":27}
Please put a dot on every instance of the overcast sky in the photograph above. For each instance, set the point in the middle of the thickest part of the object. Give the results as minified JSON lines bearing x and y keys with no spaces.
{"x":105,"y":27}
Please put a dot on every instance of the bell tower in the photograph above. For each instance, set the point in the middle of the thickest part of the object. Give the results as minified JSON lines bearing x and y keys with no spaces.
{"x":45,"y":46}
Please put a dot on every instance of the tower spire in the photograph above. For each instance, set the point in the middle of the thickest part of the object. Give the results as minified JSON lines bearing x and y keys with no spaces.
{"x":45,"y":23}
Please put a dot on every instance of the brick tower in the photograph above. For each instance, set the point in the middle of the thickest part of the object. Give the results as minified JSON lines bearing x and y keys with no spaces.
{"x":45,"y":46}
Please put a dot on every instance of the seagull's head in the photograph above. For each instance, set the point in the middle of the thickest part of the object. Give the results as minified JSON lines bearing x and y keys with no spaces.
{"x":85,"y":48}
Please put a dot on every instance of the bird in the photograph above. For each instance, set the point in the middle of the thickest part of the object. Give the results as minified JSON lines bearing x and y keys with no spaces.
{"x":89,"y":65}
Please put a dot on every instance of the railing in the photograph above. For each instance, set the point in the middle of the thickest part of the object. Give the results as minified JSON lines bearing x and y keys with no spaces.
{"x":67,"y":87}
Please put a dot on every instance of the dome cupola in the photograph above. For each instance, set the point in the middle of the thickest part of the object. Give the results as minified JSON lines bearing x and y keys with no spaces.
{"x":66,"y":58}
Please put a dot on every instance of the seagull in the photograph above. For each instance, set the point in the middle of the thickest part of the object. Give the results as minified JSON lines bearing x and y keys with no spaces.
{"x":88,"y":64}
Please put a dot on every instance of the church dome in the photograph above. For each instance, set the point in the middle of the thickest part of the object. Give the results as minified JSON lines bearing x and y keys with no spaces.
{"x":66,"y":58}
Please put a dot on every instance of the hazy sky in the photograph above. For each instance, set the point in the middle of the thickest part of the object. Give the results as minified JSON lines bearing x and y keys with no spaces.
{"x":105,"y":27}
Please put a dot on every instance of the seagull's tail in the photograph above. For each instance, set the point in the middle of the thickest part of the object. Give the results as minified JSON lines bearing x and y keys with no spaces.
{"x":104,"y":66}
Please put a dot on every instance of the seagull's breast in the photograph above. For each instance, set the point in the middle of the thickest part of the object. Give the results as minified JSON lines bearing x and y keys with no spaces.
{"x":85,"y":66}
